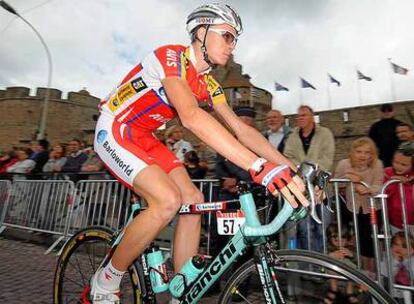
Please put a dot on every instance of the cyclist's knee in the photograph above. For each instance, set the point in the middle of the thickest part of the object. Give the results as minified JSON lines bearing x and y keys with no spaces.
{"x":170,"y":204}
{"x":192,"y":196}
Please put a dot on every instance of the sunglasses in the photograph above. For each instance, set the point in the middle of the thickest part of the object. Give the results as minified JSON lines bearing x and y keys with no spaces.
{"x":228,"y":37}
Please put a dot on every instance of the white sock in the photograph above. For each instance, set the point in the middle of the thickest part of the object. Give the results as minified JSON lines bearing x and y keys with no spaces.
{"x":109,"y":277}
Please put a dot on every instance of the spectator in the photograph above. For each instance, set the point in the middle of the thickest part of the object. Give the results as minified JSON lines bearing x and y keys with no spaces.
{"x":24,"y":163}
{"x":192,"y":164}
{"x":310,"y":142}
{"x":56,"y":159}
{"x":345,"y":253}
{"x":383,"y":133}
{"x":278,"y":132}
{"x":402,"y":259}
{"x":76,"y":157}
{"x":7,"y":160}
{"x":362,"y":165}
{"x":40,"y":154}
{"x":402,"y":169}
{"x":176,"y":143}
{"x":405,"y":132}
{"x":93,"y":164}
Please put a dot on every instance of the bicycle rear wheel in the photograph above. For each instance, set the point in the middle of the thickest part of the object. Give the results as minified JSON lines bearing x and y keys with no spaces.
{"x":304,"y":277}
{"x":79,"y":260}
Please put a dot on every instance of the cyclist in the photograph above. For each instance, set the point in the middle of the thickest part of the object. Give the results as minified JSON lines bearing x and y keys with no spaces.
{"x":170,"y":82}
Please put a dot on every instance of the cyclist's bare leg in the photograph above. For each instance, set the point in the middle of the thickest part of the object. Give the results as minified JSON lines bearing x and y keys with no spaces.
{"x":164,"y":200}
{"x":187,"y":232}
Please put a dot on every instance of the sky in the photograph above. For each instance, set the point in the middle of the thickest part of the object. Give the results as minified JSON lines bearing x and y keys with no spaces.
{"x":94,"y":43}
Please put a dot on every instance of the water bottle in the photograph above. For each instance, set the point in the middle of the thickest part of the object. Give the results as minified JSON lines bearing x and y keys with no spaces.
{"x":157,"y":269}
{"x":188,"y":273}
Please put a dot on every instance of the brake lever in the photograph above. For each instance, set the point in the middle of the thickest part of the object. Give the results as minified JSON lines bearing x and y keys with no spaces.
{"x":322,"y":181}
{"x":308,"y":171}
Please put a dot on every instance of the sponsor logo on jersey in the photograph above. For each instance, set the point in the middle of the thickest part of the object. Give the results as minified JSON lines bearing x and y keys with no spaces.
{"x":172,"y":58}
{"x":161,"y":92}
{"x":217,"y":92}
{"x":117,"y":159}
{"x":100,"y":138}
{"x":138,"y":84}
{"x":125,"y":92}
{"x":159,"y":117}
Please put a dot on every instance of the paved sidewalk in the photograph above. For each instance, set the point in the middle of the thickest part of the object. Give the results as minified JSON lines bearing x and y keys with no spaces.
{"x":26,"y":274}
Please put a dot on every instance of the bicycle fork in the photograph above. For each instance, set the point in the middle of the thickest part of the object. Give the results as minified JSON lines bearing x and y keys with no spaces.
{"x":265,"y":260}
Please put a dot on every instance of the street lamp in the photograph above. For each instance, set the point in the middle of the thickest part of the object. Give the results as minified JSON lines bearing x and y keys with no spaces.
{"x":42,"y":128}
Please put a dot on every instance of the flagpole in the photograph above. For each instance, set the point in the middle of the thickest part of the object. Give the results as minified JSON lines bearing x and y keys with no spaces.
{"x":390,"y":71}
{"x":329,"y":94}
{"x":301,"y":96}
{"x":359,"y":88}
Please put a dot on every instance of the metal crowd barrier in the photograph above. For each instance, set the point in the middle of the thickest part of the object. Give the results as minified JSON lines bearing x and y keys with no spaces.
{"x":43,"y":206}
{"x":105,"y":203}
{"x":99,"y":203}
{"x":384,"y":256}
{"x":59,"y":207}
{"x":5,"y":187}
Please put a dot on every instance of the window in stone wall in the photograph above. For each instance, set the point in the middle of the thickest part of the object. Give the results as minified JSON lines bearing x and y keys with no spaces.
{"x":345,"y":115}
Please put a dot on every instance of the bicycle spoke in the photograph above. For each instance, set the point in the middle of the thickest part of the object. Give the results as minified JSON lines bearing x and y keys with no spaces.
{"x":74,"y":282}
{"x":90,"y":260}
{"x":80,"y":271}
{"x":84,"y":255}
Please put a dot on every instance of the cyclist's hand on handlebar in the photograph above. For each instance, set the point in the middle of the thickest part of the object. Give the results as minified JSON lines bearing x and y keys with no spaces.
{"x":279,"y":179}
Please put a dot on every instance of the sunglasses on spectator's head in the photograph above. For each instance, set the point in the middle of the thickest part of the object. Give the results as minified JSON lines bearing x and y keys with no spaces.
{"x":406,"y":148}
{"x":228,"y":37}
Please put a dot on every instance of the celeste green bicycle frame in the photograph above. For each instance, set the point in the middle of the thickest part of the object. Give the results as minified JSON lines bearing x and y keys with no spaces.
{"x":252,"y":233}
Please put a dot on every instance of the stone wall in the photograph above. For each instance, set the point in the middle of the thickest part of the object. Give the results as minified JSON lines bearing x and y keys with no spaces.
{"x":69,"y":118}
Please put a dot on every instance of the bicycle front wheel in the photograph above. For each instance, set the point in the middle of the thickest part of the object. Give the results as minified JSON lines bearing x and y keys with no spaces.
{"x":305,"y":277}
{"x":80,"y":259}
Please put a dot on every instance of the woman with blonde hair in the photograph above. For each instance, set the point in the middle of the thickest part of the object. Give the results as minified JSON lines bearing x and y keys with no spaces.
{"x":362,"y":165}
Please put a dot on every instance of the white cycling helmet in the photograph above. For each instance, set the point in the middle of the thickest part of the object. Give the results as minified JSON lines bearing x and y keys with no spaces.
{"x":211,"y":14}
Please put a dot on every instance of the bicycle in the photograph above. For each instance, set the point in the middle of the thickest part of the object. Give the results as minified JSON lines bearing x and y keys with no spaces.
{"x":271,"y":276}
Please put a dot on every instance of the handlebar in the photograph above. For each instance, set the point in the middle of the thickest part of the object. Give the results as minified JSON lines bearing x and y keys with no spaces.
{"x":312,"y":176}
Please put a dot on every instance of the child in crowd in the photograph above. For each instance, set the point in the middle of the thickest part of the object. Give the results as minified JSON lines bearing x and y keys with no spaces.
{"x":402,"y":169}
{"x":341,"y":248}
{"x":402,"y":257}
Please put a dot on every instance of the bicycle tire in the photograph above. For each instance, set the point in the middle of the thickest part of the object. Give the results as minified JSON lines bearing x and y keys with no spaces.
{"x":247,"y":273}
{"x":76,"y":253}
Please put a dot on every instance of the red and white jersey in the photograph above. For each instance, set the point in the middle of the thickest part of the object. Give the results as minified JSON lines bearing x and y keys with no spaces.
{"x":139,"y":101}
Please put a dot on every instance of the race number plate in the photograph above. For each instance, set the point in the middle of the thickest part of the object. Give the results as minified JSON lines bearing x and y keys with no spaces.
{"x":229,"y":223}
